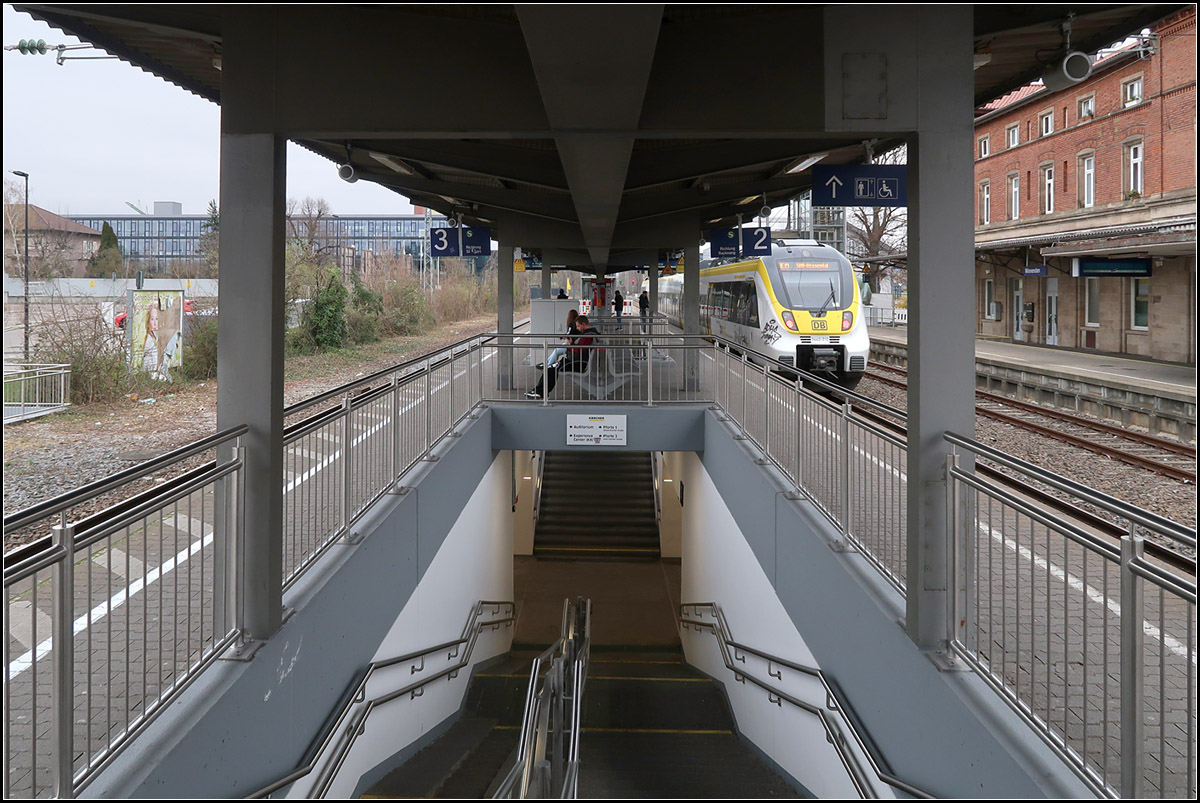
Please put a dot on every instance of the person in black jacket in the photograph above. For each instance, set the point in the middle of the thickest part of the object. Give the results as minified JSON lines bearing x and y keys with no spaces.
{"x":618,"y":306}
{"x":576,"y":359}
{"x":644,"y":311}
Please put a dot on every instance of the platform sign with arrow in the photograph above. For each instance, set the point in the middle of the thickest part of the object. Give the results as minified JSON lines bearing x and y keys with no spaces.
{"x":860,"y":185}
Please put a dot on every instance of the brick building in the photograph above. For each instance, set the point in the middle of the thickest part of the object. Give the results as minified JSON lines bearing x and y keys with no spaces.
{"x":1086,"y":205}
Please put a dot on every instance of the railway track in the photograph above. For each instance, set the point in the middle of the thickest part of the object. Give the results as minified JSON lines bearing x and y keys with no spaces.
{"x":1096,"y":522}
{"x":1160,"y":455}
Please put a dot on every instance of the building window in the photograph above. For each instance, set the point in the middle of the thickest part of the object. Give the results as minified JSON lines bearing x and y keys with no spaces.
{"x":1012,"y":135}
{"x":1087,"y":181}
{"x":985,"y":203}
{"x":1139,"y":306}
{"x":1087,"y":108}
{"x":989,"y":299}
{"x":1014,"y":197}
{"x":1091,"y":306}
{"x":1134,"y":172}
{"x":1047,"y":190}
{"x":1131,"y":91}
{"x":983,"y":147}
{"x":1046,"y":124}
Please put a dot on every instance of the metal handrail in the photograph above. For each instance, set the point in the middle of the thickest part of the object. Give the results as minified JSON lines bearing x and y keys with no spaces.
{"x":833,"y":700}
{"x":325,"y":736}
{"x":543,"y":723}
{"x":63,"y":501}
{"x":1118,"y":507}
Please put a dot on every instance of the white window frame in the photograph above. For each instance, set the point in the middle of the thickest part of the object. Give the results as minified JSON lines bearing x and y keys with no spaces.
{"x":1014,"y":197}
{"x":1046,"y":123}
{"x":1133,"y":294}
{"x":1013,"y":135}
{"x":1087,"y":178}
{"x":985,"y":202}
{"x":1086,"y":108}
{"x":1048,"y":189}
{"x":984,"y":147}
{"x":1131,"y":91}
{"x":989,"y":299}
{"x":1091,"y":317}
{"x":1135,"y":165}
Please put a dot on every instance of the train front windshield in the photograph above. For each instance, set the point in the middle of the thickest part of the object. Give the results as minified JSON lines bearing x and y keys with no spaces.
{"x":814,"y":284}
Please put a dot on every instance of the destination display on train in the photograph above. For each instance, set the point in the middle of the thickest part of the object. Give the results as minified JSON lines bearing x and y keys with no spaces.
{"x":793,"y":265}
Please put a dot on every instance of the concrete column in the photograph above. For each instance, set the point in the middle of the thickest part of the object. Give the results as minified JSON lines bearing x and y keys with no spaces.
{"x":691,"y":309}
{"x":545,"y":281}
{"x":250,"y":357}
{"x":652,"y":274}
{"x":941,"y":336}
{"x":504,"y":315}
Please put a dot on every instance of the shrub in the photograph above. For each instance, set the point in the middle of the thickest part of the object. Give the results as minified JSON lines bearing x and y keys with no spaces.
{"x":325,"y":317}
{"x":361,"y":327}
{"x":200,"y":350}
{"x":95,"y":353}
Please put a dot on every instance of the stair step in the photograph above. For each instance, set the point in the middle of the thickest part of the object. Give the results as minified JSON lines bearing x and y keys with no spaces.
{"x":422,"y":774}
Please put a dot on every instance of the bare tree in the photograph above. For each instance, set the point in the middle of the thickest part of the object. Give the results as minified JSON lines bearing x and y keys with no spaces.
{"x":305,"y":220}
{"x":879,"y":230}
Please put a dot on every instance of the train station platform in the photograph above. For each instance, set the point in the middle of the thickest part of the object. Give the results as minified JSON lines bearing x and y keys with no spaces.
{"x":1159,"y":396}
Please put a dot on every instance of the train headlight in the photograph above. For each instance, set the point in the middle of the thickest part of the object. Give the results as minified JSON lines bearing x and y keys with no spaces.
{"x":790,"y":322}
{"x":847,"y":321}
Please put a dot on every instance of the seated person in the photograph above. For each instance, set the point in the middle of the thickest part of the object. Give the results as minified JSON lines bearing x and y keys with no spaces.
{"x":572,"y":330}
{"x":576,"y":359}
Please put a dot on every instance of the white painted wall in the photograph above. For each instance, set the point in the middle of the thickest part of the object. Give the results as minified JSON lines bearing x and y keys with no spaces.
{"x":719,"y":566}
{"x":524,"y":466}
{"x":474,"y":563}
{"x":670,"y":527}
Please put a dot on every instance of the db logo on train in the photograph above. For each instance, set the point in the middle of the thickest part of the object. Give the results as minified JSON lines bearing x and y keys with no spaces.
{"x":822,"y":325}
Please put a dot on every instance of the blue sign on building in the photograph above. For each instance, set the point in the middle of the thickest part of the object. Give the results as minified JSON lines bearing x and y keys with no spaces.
{"x":1037,"y":270}
{"x":476,"y":241}
{"x":860,"y":185}
{"x":756,"y":242}
{"x":1099,"y":266}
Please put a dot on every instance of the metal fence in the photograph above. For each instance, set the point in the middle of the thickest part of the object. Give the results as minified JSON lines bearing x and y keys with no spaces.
{"x":1089,"y":641}
{"x":1095,"y":650}
{"x":34,"y":390}
{"x":114,"y":617}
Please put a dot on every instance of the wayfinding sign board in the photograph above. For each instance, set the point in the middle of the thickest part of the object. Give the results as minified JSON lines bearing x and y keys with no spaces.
{"x":734,"y":242}
{"x":596,"y":430}
{"x":860,"y":185}
{"x":464,"y":241}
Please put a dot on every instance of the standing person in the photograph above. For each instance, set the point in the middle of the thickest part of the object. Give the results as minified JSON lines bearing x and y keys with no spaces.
{"x":644,"y":311}
{"x":572,"y":330}
{"x":562,"y":294}
{"x":576,"y":361}
{"x":618,"y":306}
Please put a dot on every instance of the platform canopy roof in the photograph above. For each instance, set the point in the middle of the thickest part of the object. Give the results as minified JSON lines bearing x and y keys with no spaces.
{"x":583,"y":128}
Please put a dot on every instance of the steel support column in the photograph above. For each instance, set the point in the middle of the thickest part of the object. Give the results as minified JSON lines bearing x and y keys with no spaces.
{"x":941,"y":338}
{"x":504,"y":315}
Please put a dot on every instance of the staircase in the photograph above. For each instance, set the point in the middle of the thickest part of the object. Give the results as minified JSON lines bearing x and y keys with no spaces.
{"x":471,"y":758}
{"x":653,"y":727}
{"x":597,"y":506}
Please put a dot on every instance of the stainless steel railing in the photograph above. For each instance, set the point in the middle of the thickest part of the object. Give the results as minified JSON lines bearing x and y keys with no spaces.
{"x":32,"y":390}
{"x":114,"y":617}
{"x":1090,"y":642}
{"x":332,"y":745}
{"x":547,"y":763}
{"x":834,"y":716}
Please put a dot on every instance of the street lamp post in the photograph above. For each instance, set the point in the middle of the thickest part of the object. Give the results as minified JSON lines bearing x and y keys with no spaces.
{"x":26,"y":177}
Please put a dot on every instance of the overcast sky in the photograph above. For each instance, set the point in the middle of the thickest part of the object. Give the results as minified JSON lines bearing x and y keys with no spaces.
{"x":93,"y":135}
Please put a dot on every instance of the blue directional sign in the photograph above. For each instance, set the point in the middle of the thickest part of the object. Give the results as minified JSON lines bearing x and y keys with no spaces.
{"x":860,"y":185}
{"x":444,"y":242}
{"x":724,"y":243}
{"x":476,"y":241}
{"x":755,"y":242}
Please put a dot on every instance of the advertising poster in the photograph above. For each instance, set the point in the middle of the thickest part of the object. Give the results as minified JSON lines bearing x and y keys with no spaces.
{"x":156,"y":332}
